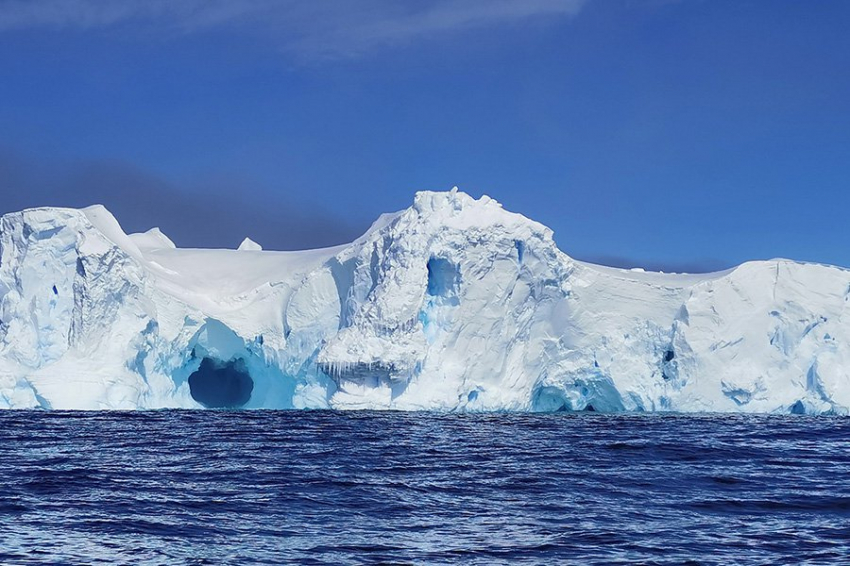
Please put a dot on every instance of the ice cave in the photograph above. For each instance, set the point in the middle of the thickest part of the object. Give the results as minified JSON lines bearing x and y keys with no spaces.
{"x":218,"y":385}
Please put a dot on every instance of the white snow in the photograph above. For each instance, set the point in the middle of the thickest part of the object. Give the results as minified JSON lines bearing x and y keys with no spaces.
{"x":452,"y":304}
{"x":152,"y":239}
{"x":249,"y":245}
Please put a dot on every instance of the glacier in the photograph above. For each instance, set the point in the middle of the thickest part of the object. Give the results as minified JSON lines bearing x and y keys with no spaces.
{"x":453,"y":304}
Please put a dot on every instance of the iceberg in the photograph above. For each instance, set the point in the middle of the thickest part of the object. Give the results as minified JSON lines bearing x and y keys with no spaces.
{"x":453,"y":304}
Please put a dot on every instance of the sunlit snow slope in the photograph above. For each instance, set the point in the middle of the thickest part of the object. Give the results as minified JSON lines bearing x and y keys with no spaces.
{"x":452,"y":304}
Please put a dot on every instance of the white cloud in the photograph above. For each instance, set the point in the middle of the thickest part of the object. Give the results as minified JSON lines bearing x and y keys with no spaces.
{"x":306,"y":27}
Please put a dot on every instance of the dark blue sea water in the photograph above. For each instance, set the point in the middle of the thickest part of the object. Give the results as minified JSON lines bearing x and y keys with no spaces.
{"x":211,"y":487}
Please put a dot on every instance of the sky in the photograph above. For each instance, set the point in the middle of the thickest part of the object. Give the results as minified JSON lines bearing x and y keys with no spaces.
{"x":677,"y":135}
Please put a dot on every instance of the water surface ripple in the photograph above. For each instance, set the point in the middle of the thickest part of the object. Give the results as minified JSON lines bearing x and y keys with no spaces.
{"x":264,"y":487}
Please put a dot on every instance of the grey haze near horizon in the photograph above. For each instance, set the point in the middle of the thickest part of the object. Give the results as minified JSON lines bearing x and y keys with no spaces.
{"x":208,"y":215}
{"x":216,"y":213}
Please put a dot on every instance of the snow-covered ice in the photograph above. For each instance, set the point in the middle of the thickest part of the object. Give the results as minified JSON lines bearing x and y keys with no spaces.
{"x":451,"y":304}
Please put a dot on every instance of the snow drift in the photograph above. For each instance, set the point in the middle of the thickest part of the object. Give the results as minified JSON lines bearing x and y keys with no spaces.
{"x":452,"y":304}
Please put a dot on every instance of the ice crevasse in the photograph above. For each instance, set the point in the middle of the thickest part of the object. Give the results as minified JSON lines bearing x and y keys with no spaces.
{"x":452,"y":304}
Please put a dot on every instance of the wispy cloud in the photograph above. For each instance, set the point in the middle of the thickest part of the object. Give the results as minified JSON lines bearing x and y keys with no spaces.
{"x":325,"y":28}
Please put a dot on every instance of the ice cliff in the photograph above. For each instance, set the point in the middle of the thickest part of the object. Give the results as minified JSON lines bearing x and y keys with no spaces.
{"x":452,"y":304}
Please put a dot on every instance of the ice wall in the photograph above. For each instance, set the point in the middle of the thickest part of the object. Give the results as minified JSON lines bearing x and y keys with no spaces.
{"x":452,"y":304}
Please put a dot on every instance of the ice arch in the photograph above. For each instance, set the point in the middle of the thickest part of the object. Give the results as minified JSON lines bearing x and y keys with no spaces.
{"x":223,"y":370}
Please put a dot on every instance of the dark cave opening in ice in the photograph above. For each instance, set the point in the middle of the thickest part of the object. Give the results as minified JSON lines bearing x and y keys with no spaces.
{"x":217,"y":385}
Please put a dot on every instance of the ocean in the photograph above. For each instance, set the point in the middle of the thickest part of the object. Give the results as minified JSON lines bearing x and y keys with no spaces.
{"x":324,"y":487}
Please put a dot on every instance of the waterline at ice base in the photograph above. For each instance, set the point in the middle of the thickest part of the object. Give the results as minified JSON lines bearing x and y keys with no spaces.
{"x":453,"y":304}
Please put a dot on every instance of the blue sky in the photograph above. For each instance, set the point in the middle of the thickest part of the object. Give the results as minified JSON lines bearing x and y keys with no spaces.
{"x":669,"y":134}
